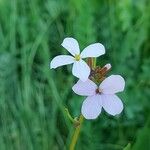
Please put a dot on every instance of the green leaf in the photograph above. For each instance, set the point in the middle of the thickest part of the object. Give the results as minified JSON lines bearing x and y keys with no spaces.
{"x":143,"y":139}
{"x":128,"y":147}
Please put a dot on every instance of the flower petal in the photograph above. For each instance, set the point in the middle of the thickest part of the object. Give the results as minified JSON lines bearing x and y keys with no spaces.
{"x":91,"y":107}
{"x":112,"y":84}
{"x":86,"y":88}
{"x":71,"y":45}
{"x":112,"y":104}
{"x":93,"y":50}
{"x":81,"y":70}
{"x":61,"y":60}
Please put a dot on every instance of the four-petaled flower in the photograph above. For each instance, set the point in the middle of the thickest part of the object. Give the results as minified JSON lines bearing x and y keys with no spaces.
{"x":100,"y":96}
{"x":80,"y":69}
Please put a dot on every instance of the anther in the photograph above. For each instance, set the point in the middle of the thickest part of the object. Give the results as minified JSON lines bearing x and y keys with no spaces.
{"x":98,"y":91}
{"x":77,"y":57}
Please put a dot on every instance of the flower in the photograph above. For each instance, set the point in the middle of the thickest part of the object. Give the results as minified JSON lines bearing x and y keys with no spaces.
{"x":100,"y":96}
{"x":80,"y":69}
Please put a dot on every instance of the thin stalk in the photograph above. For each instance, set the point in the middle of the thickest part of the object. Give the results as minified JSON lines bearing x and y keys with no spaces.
{"x":76,"y":133}
{"x":94,"y":63}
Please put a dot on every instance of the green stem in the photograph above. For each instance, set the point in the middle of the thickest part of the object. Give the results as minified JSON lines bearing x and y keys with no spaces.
{"x":69,"y":116}
{"x":76,"y":134}
{"x":94,"y":62}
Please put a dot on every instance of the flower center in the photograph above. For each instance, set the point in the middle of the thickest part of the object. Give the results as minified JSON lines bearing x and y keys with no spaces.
{"x":98,"y":91}
{"x":77,"y":57}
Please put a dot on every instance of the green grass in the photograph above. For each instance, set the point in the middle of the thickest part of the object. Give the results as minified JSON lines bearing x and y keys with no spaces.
{"x":33,"y":97}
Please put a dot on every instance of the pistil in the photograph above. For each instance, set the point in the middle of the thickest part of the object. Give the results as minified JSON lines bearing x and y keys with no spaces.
{"x":98,"y":91}
{"x":77,"y":57}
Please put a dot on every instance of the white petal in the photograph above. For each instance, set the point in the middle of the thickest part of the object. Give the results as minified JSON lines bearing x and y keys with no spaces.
{"x":93,"y":50}
{"x":91,"y":107}
{"x":81,"y":70}
{"x":86,"y":88}
{"x":112,"y":84}
{"x":71,"y":45}
{"x":112,"y":104}
{"x":61,"y":60}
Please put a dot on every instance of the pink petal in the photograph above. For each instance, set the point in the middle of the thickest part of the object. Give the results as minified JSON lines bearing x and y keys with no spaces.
{"x":61,"y":60}
{"x":71,"y":45}
{"x":112,"y":84}
{"x":91,"y":107}
{"x":93,"y":50}
{"x":112,"y":104}
{"x":86,"y":88}
{"x":81,"y":70}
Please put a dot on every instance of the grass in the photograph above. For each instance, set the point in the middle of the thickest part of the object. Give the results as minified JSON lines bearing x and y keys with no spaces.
{"x":33,"y":97}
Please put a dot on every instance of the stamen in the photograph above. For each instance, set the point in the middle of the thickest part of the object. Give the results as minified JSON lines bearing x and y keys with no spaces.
{"x":98,"y":91}
{"x":77,"y":57}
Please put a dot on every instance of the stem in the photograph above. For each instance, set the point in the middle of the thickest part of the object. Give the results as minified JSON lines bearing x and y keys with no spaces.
{"x":69,"y":116}
{"x":94,"y":62}
{"x":90,"y":62}
{"x":76,"y":134}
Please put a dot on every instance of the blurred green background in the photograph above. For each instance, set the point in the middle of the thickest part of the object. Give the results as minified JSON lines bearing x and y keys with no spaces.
{"x":33,"y":97}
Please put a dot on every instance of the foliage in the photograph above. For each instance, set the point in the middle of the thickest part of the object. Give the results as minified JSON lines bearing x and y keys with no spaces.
{"x":32,"y":97}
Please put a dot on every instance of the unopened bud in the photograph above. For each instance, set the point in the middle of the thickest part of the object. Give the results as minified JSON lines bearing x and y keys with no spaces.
{"x":108,"y":66}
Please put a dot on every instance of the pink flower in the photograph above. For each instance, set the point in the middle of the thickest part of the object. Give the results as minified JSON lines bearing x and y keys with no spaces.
{"x":100,"y":96}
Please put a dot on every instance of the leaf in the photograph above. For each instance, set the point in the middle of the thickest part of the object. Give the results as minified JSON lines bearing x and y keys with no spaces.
{"x":143,"y":139}
{"x":128,"y":147}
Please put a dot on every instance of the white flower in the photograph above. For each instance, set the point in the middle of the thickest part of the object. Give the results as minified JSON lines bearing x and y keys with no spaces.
{"x":102,"y":96}
{"x":80,"y":69}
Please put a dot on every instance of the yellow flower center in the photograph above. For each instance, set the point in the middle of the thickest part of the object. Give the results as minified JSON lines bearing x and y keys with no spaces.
{"x":77,"y":57}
